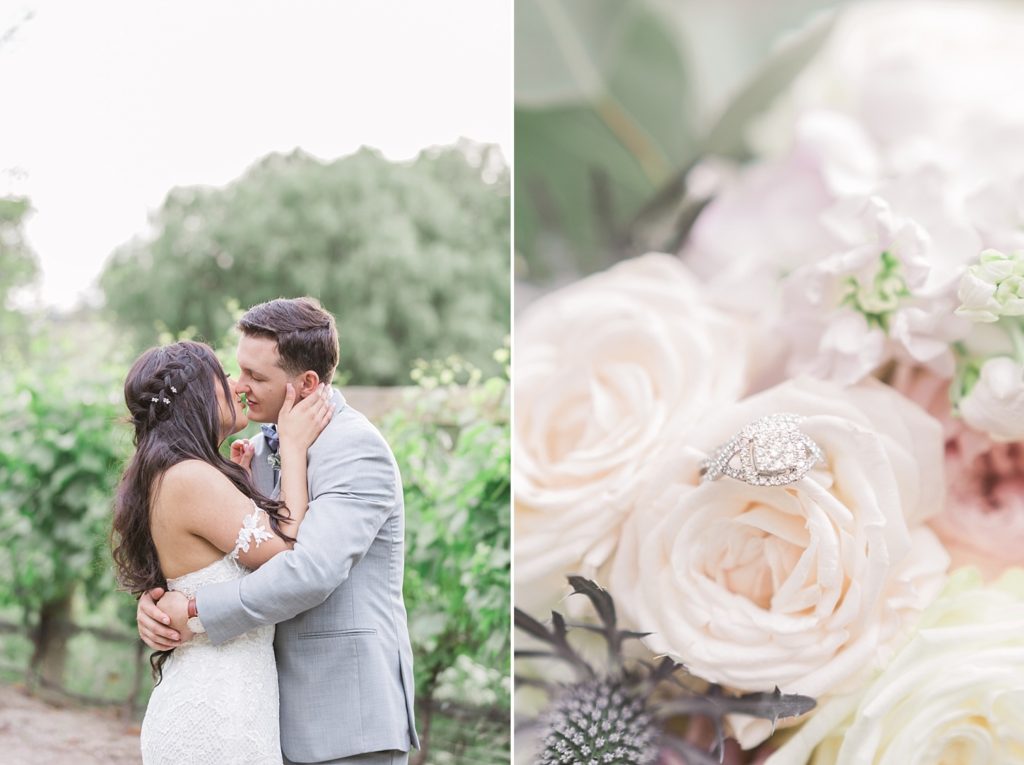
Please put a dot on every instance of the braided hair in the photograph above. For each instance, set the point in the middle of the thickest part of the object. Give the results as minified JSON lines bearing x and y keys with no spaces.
{"x":173,"y":407}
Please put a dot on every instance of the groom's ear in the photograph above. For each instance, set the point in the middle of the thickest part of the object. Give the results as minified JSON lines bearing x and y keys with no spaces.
{"x":307,"y":383}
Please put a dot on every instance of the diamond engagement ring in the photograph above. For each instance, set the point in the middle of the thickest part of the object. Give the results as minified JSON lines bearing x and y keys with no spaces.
{"x":771,"y":451}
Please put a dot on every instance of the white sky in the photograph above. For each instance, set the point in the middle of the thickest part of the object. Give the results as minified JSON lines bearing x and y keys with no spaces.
{"x":108,"y":104}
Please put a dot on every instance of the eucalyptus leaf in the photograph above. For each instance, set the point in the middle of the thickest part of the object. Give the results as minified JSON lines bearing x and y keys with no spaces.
{"x":666,"y":218}
{"x":602,"y":120}
{"x":606,"y":128}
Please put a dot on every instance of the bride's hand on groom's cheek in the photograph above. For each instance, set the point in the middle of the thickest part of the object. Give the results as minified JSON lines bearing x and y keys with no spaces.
{"x":158,"y":628}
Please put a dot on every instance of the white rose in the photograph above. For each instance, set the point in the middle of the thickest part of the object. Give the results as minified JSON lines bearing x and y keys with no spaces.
{"x":804,"y":586}
{"x":995,"y":404}
{"x":610,"y":373}
{"x":953,"y":695}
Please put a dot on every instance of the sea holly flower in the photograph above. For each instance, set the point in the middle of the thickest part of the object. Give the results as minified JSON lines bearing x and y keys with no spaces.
{"x":993,"y":287}
{"x":619,"y":715}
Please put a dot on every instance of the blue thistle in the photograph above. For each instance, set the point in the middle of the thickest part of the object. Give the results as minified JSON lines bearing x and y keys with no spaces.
{"x":613,"y":718}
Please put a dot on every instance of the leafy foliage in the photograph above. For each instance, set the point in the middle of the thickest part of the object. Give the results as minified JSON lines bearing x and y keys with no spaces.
{"x":59,"y":461}
{"x":411,"y":258}
{"x":65,"y":444}
{"x":453,"y":451}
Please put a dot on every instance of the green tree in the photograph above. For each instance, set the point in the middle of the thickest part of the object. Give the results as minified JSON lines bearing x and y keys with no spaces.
{"x":412,"y":258}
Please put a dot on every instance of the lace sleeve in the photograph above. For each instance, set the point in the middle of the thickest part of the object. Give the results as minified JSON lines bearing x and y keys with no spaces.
{"x":254,"y":529}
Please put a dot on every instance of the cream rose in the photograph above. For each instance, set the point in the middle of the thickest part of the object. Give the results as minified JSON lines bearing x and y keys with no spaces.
{"x":953,"y":695}
{"x":610,"y":373}
{"x":803,"y":586}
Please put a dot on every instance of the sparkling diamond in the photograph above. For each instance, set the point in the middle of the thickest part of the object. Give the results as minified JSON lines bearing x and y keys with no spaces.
{"x":771,"y":451}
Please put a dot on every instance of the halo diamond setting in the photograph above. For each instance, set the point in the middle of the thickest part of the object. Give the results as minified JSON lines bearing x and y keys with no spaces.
{"x":771,"y":451}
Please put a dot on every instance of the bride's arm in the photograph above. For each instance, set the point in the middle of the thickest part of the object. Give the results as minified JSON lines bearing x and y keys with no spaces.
{"x":298,"y":426}
{"x":209,"y":506}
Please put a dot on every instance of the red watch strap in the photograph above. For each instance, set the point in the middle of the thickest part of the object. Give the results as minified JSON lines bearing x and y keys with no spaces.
{"x":192,"y":610}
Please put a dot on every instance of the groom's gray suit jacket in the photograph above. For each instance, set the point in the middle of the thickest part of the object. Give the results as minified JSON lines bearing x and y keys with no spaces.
{"x":344,"y":660}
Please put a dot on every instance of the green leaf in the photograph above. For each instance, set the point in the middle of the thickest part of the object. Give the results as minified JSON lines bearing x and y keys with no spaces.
{"x":728,"y":135}
{"x":666,"y":217}
{"x":602,"y":119}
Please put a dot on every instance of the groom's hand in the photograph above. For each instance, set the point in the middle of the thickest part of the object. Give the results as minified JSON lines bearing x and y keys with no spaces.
{"x":175,"y":605}
{"x":155,"y":627}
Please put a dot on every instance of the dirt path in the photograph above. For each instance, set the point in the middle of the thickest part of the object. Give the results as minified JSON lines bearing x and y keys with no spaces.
{"x":33,"y":732}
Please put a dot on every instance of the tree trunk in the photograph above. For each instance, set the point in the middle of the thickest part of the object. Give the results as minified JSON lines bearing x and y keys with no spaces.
{"x":141,"y":665}
{"x":428,"y":713}
{"x":51,"y":641}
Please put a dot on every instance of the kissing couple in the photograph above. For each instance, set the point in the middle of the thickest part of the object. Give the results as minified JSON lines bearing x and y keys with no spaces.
{"x":302,"y":528}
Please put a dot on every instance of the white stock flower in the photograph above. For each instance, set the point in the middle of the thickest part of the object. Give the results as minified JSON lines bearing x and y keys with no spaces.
{"x":879,"y":296}
{"x":993,"y":287}
{"x":803,"y":586}
{"x":611,"y":373}
{"x":953,"y":695}
{"x":902,"y":108}
{"x":995,"y":404}
{"x":766,"y":220}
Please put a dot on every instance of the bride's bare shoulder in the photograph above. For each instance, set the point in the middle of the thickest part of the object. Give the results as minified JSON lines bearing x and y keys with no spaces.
{"x":191,"y":482}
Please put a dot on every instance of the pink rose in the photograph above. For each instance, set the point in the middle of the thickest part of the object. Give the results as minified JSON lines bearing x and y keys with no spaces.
{"x":983,"y":520}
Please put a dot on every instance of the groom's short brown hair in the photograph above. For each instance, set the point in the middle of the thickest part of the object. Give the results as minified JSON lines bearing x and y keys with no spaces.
{"x":306,"y":336}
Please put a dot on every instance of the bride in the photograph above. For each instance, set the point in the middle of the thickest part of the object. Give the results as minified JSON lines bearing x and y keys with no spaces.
{"x":184,"y":517}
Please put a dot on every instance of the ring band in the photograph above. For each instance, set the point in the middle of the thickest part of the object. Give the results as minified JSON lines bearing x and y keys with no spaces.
{"x":771,"y":451}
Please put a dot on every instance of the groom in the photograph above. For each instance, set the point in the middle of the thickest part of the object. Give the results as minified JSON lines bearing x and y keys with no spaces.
{"x":344,"y":659}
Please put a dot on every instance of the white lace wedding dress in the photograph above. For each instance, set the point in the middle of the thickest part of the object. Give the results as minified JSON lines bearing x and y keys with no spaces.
{"x":216,"y":705}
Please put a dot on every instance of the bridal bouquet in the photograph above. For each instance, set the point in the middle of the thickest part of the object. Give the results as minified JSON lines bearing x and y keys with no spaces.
{"x":793,"y":453}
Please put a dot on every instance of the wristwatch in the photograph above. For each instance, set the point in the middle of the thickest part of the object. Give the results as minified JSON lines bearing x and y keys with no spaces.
{"x":193,"y":622}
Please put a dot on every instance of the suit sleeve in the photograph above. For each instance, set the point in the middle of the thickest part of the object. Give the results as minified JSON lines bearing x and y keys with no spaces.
{"x":353,"y":491}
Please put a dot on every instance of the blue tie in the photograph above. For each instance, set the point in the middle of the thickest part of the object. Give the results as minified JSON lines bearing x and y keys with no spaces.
{"x":273,"y":442}
{"x":270,"y":435}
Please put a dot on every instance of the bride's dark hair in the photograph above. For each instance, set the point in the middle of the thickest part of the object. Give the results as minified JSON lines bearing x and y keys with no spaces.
{"x":172,"y":401}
